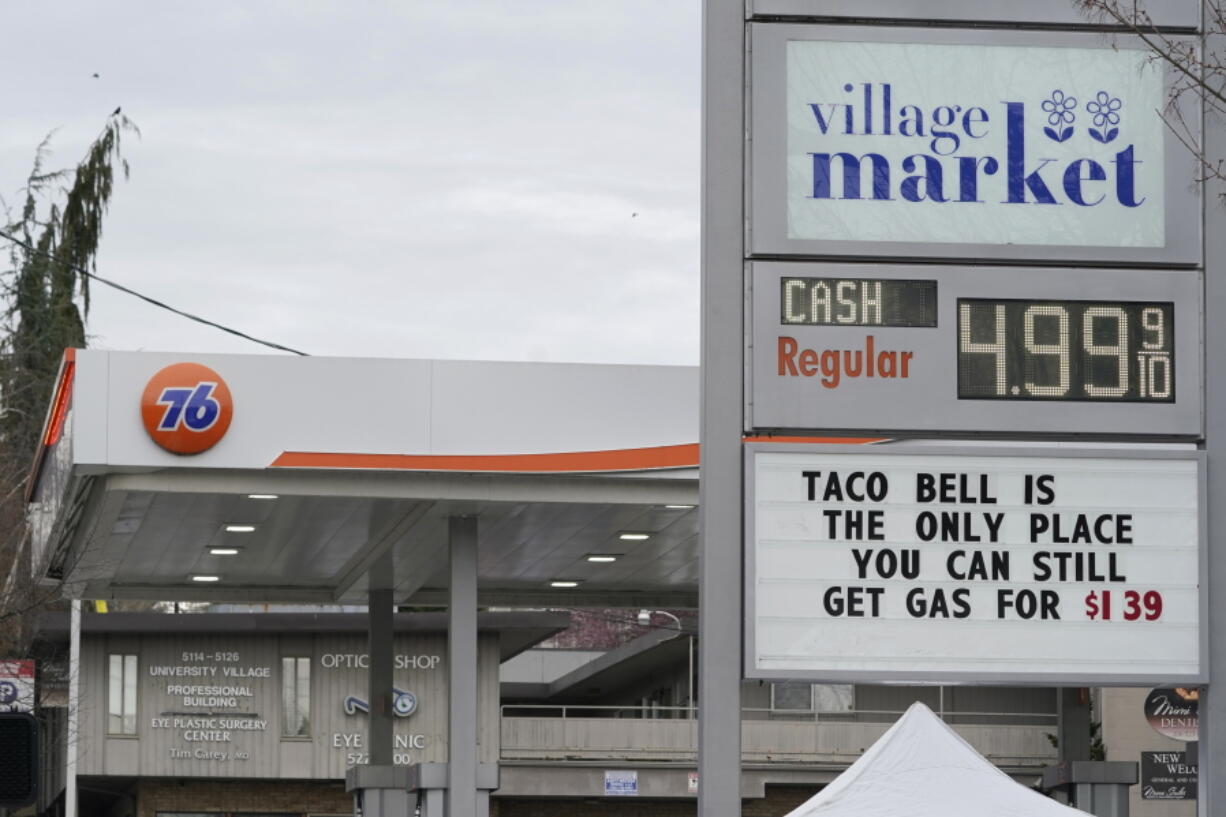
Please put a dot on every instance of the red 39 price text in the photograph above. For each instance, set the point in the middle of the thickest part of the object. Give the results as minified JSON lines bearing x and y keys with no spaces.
{"x":1133,"y":605}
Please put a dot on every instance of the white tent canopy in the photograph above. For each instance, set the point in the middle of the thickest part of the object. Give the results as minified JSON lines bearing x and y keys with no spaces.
{"x":923,"y":768}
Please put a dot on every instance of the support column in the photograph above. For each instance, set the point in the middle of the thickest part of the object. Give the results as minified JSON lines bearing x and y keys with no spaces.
{"x":723,"y":251}
{"x":380,"y":649}
{"x":74,"y":709}
{"x":1212,"y":789}
{"x":1073,"y":729}
{"x":462,"y":668}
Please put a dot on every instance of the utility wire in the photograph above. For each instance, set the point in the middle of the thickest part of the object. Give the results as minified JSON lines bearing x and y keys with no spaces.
{"x":95,"y":277}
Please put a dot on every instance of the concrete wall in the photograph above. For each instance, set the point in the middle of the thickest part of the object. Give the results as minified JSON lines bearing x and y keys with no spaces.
{"x":778,"y":801}
{"x":545,"y":665}
{"x":666,"y":687}
{"x":316,"y":798}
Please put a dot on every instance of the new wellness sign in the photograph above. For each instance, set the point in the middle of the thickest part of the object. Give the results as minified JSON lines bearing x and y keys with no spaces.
{"x":974,"y":144}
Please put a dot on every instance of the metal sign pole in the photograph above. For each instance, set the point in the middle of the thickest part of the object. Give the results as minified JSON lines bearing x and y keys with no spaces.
{"x":1212,"y":785}
{"x":719,"y":677}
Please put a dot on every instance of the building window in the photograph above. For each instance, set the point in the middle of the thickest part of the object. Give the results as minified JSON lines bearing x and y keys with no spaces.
{"x":834,"y":697}
{"x":295,"y":697}
{"x":790,"y":696}
{"x":121,"y":697}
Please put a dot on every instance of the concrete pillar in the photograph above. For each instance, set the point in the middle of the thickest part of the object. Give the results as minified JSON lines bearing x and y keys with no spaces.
{"x":74,"y":709}
{"x":381,"y":650}
{"x":462,"y":667}
{"x":1213,"y":697}
{"x":719,"y":558}
{"x":1074,"y":723}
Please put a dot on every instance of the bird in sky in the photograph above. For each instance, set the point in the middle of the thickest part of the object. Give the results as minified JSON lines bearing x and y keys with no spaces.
{"x":95,"y":75}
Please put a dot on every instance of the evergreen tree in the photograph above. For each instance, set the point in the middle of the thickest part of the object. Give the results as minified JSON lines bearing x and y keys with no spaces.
{"x":53,"y":245}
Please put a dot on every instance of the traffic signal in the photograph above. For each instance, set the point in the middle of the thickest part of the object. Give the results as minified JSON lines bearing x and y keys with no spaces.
{"x":18,"y":759}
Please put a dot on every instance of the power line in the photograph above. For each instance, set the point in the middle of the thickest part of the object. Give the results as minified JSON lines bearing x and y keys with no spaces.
{"x":95,"y":277}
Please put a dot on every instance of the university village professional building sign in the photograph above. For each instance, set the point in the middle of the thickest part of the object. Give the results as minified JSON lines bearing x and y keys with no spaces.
{"x":209,"y":698}
{"x":294,"y":705}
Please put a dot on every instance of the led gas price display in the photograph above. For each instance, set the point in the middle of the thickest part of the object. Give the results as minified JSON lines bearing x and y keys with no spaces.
{"x":1066,"y":350}
{"x":857,"y":302}
{"x":877,"y":349}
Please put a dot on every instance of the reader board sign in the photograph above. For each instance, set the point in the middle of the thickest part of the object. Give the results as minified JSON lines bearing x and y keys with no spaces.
{"x":906,"y":142}
{"x":933,"y":348}
{"x":974,"y":565}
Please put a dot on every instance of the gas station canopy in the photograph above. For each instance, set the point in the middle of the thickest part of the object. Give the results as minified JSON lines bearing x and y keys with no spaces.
{"x":273,"y":478}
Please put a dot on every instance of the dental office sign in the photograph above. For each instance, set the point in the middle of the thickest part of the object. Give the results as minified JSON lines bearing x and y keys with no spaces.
{"x":966,"y":143}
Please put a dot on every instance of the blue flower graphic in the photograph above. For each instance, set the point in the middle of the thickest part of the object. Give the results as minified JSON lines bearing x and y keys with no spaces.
{"x":1060,"y":111}
{"x":1104,"y":108}
{"x":1060,"y":108}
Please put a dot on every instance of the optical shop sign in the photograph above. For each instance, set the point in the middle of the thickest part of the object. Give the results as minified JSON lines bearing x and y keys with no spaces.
{"x":973,"y":566}
{"x":970,"y":143}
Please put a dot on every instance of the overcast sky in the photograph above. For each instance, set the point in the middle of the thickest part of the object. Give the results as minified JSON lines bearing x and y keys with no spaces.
{"x":460,"y":179}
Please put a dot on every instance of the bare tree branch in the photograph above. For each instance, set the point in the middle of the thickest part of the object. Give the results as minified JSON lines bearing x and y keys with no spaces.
{"x":1200,"y":75}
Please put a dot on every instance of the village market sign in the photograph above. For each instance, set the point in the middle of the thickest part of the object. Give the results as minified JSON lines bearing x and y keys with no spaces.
{"x":930,"y":143}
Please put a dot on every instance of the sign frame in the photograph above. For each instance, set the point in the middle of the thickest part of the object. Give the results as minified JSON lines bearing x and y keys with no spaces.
{"x":1183,"y":14}
{"x":771,"y":401}
{"x":766,"y":176}
{"x":1030,"y":450}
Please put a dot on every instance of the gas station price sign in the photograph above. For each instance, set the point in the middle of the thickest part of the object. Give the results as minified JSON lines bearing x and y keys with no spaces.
{"x":906,"y":348}
{"x":1065,"y":350}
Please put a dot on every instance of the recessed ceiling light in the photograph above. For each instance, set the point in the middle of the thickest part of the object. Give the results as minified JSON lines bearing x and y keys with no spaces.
{"x":564,"y":583}
{"x":601,"y":557}
{"x":678,"y":507}
{"x":239,"y":528}
{"x":200,"y":578}
{"x":261,"y":496}
{"x":224,"y":551}
{"x":634,"y":537}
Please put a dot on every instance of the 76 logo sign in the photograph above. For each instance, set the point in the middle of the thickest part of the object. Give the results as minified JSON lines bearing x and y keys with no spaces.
{"x":186,"y":408}
{"x":193,"y":408}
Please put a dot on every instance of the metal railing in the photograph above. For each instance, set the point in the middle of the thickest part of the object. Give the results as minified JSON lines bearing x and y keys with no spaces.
{"x":599,"y":711}
{"x":748,"y":713}
{"x":669,"y":733}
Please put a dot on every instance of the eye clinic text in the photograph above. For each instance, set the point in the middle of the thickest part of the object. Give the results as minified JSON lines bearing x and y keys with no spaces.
{"x":939,"y":175}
